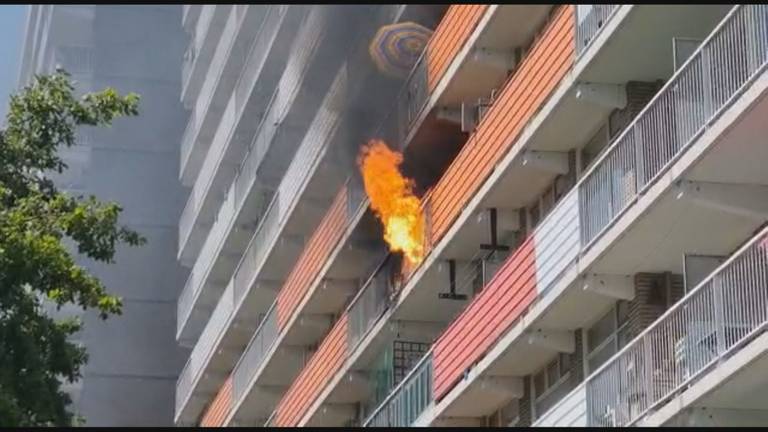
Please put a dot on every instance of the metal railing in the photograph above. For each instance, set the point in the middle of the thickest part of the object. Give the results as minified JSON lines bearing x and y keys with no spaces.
{"x":246,"y":172}
{"x":408,"y":400}
{"x":210,"y":165}
{"x":257,"y":54}
{"x":369,"y":304}
{"x":261,"y":243}
{"x":185,"y":302}
{"x":256,"y":251}
{"x":721,"y":314}
{"x":186,"y":140}
{"x":204,"y":348}
{"x":705,"y":85}
{"x":589,"y":23}
{"x":416,"y":93}
{"x":205,"y":260}
{"x":255,"y":354}
{"x":198,"y":36}
{"x":241,"y":185}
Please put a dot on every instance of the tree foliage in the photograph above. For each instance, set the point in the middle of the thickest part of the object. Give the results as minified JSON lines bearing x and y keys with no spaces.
{"x":39,"y":228}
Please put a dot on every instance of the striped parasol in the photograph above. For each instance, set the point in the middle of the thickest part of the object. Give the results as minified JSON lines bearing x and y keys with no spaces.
{"x":396,"y":47}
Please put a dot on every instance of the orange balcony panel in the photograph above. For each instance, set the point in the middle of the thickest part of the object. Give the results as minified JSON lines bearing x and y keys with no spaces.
{"x":315,"y":253}
{"x":542,"y":70}
{"x":326,"y":361}
{"x":220,"y":407}
{"x":449,"y":37}
{"x":487,"y":317}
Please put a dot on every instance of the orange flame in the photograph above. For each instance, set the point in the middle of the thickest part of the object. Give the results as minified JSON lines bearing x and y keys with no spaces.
{"x":392,"y":200}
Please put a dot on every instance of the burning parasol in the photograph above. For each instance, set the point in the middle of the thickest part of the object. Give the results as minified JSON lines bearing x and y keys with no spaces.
{"x":396,"y":47}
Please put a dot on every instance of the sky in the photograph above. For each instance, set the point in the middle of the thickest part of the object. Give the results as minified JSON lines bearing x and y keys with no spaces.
{"x":11,"y":28}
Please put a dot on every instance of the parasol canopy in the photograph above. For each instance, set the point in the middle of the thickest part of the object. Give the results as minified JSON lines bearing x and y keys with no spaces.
{"x":396,"y":47}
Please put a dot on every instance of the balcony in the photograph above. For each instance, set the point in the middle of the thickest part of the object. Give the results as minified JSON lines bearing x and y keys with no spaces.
{"x":549,"y":267}
{"x":654,"y":153}
{"x":709,"y":325}
{"x":408,"y":400}
{"x":230,"y":139}
{"x":267,"y":158}
{"x":299,"y":315}
{"x":293,"y":212}
{"x":434,"y":280}
{"x":226,"y":66}
{"x":208,"y":28}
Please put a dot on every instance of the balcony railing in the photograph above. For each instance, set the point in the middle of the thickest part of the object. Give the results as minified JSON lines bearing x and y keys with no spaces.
{"x":196,"y":42}
{"x":366,"y":308}
{"x":255,"y":354}
{"x":262,"y":242}
{"x":258,"y":54}
{"x":204,"y":348}
{"x":722,"y":314}
{"x":204,"y":261}
{"x":408,"y":400}
{"x":246,"y":174}
{"x":706,"y":84}
{"x":589,"y":20}
{"x":241,"y":187}
{"x":186,"y":139}
{"x":691,"y":100}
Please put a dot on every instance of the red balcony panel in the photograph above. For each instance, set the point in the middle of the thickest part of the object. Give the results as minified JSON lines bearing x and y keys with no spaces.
{"x":323,"y":365}
{"x":542,"y":70}
{"x":487,"y":317}
{"x":449,"y":37}
{"x":220,"y":407}
{"x":312,"y":259}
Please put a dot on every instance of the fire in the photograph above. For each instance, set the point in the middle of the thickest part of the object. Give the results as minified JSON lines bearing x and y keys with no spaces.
{"x":392,"y":200}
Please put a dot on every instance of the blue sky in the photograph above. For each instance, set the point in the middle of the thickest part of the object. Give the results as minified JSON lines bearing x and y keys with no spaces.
{"x":11,"y":27}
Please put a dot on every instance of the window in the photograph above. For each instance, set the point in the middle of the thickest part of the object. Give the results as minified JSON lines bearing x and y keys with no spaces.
{"x":607,"y":336}
{"x":533,"y":216}
{"x":551,"y":375}
{"x":552,"y":383}
{"x":507,"y":415}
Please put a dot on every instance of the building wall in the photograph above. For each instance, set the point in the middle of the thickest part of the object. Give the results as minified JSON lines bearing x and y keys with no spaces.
{"x":134,"y":362}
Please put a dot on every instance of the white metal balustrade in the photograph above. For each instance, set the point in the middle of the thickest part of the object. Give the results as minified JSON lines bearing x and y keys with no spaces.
{"x":589,"y":20}
{"x":711,"y":322}
{"x":691,"y":100}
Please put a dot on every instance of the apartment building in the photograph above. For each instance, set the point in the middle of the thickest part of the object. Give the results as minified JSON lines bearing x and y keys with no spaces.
{"x":134,"y":360}
{"x":592,"y":184}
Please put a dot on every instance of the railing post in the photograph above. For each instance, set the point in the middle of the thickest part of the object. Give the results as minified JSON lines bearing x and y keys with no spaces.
{"x":706,"y":75}
{"x":717,"y":294}
{"x":648,"y":363}
{"x":637,"y":140}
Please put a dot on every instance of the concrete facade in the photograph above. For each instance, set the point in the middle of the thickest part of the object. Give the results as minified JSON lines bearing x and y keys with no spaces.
{"x":134,"y":358}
